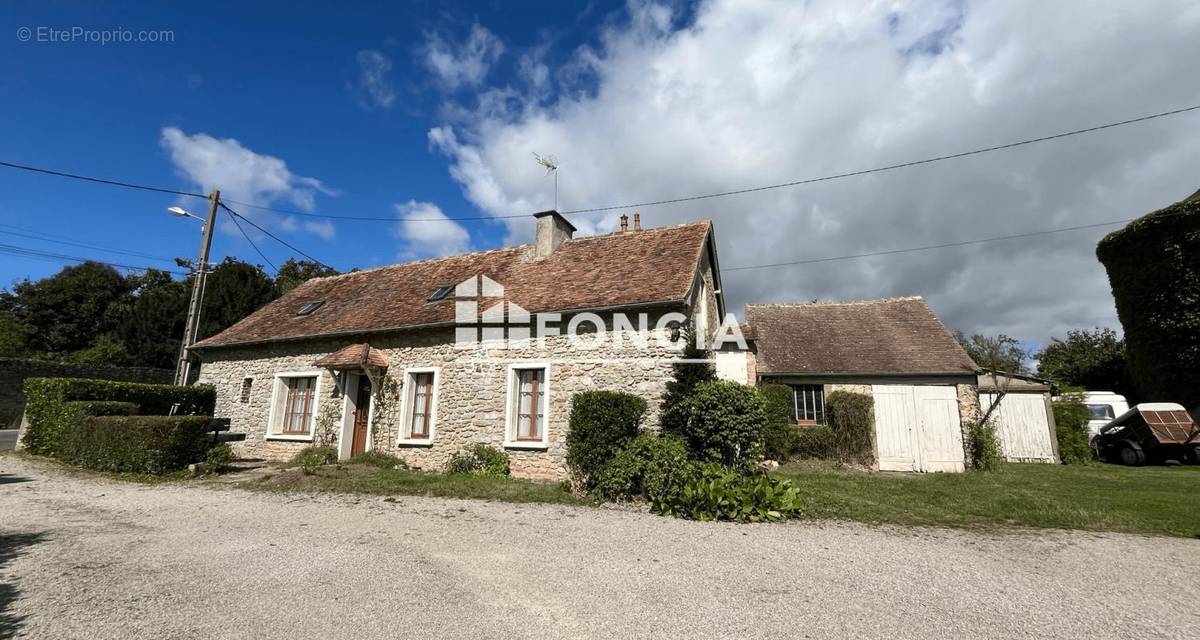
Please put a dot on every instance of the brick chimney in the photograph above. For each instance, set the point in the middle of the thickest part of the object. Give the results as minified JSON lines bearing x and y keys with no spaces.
{"x":637,"y":221}
{"x":552,"y":230}
{"x":624,"y":223}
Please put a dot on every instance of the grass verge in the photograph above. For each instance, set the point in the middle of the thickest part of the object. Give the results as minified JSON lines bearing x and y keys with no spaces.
{"x":1102,"y":497}
{"x":367,"y":479}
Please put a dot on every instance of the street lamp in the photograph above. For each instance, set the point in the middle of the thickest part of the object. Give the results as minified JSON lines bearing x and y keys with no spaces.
{"x":193,"y":317}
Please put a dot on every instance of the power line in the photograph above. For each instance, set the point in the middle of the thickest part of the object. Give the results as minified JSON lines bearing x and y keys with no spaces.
{"x":247,"y":237}
{"x":901,"y":165}
{"x":332,"y":216}
{"x":115,"y":183}
{"x":275,"y":237}
{"x":63,"y":240}
{"x":946,"y":245}
{"x":16,"y":250}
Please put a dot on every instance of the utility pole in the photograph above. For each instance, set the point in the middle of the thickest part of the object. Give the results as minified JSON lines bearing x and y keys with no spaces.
{"x":201,"y":273}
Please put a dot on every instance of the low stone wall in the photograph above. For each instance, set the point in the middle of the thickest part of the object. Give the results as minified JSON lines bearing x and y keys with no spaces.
{"x":14,"y":371}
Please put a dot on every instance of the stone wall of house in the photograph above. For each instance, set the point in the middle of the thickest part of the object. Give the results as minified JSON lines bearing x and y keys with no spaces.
{"x":471,"y":398}
{"x":14,"y":371}
{"x":968,"y":412}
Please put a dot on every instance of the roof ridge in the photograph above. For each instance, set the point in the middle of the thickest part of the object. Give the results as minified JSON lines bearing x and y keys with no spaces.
{"x":796,"y":305}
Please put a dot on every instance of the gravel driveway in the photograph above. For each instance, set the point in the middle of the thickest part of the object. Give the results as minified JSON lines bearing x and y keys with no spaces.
{"x":88,"y":558}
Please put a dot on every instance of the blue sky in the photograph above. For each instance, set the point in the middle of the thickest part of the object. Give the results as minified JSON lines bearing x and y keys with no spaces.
{"x":280,"y":78}
{"x":434,"y":110}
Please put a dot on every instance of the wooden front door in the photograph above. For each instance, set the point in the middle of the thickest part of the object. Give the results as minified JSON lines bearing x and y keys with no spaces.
{"x":362,"y":411}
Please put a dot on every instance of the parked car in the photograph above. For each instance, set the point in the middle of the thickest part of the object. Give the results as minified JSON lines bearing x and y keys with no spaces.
{"x":1150,"y":432}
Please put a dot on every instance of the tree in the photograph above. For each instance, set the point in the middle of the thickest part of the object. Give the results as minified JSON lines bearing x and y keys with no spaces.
{"x":152,"y":325}
{"x":234,"y":290}
{"x":68,"y":311}
{"x":686,"y":376}
{"x":294,"y":273}
{"x":1088,"y":359}
{"x":999,"y":353}
{"x":13,"y":335}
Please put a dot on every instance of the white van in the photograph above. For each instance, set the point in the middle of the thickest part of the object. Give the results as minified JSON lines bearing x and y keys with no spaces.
{"x":1103,"y":408}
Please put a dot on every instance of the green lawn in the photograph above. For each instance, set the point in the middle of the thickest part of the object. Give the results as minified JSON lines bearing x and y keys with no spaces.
{"x":355,"y":478}
{"x":1102,"y":497}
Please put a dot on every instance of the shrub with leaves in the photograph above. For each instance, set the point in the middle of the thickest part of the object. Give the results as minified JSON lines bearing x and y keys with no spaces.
{"x":601,"y":424}
{"x":309,"y":458}
{"x":651,"y":467}
{"x":812,"y":443}
{"x":983,"y":446}
{"x":1070,"y":426}
{"x":218,"y":456}
{"x":780,"y":436}
{"x":851,"y":418}
{"x":686,"y":376}
{"x":481,"y":460}
{"x":724,"y":422}
{"x":716,"y":492}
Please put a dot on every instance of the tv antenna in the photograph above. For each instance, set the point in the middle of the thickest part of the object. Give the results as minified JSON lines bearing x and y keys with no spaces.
{"x":551,"y":165}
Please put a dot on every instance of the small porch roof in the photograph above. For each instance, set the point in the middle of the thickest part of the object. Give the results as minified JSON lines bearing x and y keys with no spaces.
{"x":355,"y":356}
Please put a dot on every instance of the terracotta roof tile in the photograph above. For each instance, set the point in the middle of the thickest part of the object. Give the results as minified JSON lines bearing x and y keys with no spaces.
{"x":620,"y":269}
{"x":354,"y":356}
{"x":892,"y":336}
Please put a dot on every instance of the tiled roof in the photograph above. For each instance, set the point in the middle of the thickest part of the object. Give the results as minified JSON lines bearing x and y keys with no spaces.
{"x":621,"y":269}
{"x":892,"y":336}
{"x":354,"y":356}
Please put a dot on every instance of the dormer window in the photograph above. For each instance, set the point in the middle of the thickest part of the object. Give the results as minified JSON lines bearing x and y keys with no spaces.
{"x":309,"y":308}
{"x":441,"y":292}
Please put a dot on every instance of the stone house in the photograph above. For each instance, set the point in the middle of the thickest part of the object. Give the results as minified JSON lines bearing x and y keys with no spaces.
{"x":426,"y":358}
{"x":896,"y":350}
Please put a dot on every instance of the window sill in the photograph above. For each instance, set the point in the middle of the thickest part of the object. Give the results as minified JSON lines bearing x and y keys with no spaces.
{"x":290,"y":438}
{"x":420,"y":442}
{"x":526,"y":444}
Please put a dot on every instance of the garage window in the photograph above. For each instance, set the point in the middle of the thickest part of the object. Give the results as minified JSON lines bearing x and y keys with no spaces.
{"x":808,"y":404}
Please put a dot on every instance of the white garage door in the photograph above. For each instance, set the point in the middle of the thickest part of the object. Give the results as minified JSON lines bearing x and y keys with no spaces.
{"x":1022,"y":426}
{"x":917,"y":428}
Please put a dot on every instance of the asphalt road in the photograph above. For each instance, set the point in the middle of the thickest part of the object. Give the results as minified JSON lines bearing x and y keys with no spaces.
{"x":87,"y":558}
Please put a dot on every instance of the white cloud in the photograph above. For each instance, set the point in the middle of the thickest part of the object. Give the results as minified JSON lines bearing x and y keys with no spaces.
{"x":766,"y":92}
{"x":426,"y":239}
{"x":463,"y":64}
{"x":373,"y":70}
{"x":245,"y":176}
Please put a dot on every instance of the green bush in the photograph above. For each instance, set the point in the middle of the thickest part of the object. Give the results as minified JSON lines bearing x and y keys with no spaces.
{"x":601,"y":424}
{"x":651,"y":467}
{"x":376,"y":458}
{"x":851,"y":418}
{"x":716,"y":492}
{"x":983,"y":446}
{"x":310,"y":458}
{"x":693,"y":370}
{"x":104,"y":407}
{"x":814,"y":443}
{"x":481,"y":460}
{"x":1070,"y":426}
{"x":136,"y":444}
{"x":779,"y":436}
{"x":1153,"y":268}
{"x":218,"y":456}
{"x":52,"y":411}
{"x":724,"y":422}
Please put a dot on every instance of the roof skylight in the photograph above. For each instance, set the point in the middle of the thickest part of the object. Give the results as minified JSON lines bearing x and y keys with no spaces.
{"x":310,"y":307}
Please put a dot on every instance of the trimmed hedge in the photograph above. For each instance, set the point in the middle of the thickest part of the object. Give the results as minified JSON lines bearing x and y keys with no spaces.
{"x":851,"y":418}
{"x":1153,"y":266}
{"x":601,"y":424}
{"x":136,"y":444}
{"x":104,"y":407}
{"x":52,"y":409}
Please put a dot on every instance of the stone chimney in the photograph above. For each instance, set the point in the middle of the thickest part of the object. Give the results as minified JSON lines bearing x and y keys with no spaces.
{"x":637,"y":221}
{"x":552,"y":230}
{"x":624,"y":223}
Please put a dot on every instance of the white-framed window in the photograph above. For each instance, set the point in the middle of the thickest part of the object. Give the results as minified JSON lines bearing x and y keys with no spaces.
{"x":418,"y":415}
{"x":294,"y":401}
{"x":528,"y":402}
